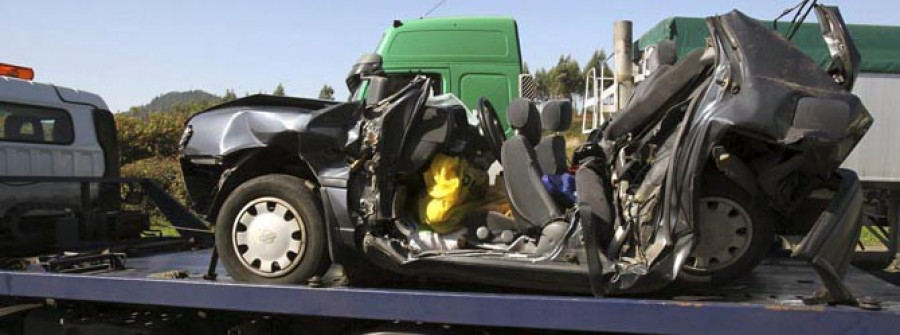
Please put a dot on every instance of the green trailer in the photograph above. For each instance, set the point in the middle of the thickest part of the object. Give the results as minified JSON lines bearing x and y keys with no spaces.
{"x":879,"y":45}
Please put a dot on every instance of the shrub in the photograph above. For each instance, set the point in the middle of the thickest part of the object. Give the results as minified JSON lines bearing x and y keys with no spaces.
{"x":167,"y":172}
{"x":153,"y":134}
{"x":148,"y":144}
{"x":156,"y":135}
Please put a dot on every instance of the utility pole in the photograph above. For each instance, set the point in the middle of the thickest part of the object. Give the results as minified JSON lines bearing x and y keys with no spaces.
{"x":622,"y":45}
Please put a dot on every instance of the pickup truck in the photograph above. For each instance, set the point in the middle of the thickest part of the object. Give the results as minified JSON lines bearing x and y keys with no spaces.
{"x":49,"y":132}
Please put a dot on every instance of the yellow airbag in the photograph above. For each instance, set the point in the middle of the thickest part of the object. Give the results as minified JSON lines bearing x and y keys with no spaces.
{"x":453,"y":189}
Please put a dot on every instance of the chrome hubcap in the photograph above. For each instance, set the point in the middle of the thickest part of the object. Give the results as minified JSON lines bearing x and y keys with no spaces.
{"x":725,"y":231}
{"x":269,"y":237}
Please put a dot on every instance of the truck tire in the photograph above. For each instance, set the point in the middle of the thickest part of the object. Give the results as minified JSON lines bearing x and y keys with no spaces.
{"x":270,"y":231}
{"x":736,"y":233}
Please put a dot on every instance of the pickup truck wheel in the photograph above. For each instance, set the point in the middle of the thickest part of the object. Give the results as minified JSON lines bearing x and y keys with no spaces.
{"x":270,"y":231}
{"x":736,"y":232}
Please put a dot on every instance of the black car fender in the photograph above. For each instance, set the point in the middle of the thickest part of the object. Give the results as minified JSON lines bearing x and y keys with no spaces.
{"x":253,"y":163}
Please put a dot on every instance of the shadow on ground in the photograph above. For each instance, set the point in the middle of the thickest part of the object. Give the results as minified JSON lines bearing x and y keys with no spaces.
{"x":875,"y":262}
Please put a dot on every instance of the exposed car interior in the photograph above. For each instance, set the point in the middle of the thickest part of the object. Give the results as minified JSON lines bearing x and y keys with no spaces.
{"x":428,"y":168}
{"x":531,"y":220}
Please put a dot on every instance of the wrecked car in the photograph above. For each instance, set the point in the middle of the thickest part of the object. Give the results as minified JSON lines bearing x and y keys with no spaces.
{"x":683,"y":184}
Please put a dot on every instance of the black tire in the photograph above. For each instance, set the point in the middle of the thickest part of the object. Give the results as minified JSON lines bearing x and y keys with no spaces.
{"x":293,"y":192}
{"x":718,"y":190}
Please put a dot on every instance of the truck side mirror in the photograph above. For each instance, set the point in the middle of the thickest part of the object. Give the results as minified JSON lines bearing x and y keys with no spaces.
{"x":367,"y":65}
{"x":527,"y":87}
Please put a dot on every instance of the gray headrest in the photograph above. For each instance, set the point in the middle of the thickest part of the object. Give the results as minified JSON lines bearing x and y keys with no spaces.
{"x":663,"y":54}
{"x":14,"y":124}
{"x":523,"y":116}
{"x":557,"y":115}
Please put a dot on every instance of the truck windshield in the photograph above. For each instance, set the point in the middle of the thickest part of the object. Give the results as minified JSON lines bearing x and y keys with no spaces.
{"x":396,"y":82}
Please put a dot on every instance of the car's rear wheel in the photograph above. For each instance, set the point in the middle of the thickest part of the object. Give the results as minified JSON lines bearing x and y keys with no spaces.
{"x":270,"y":230}
{"x":736,"y":232}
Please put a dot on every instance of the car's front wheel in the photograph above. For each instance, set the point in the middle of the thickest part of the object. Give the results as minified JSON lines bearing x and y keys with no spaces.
{"x":270,"y":231}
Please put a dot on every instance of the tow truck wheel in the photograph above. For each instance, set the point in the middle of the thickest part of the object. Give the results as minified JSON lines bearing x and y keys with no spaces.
{"x":736,"y":232}
{"x":270,"y":231}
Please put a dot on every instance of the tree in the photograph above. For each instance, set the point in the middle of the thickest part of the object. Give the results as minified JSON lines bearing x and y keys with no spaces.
{"x":566,"y":80}
{"x":525,"y":68}
{"x":279,"y":91}
{"x":326,"y":93}
{"x":595,"y":62}
{"x":229,"y":95}
{"x":543,"y":82}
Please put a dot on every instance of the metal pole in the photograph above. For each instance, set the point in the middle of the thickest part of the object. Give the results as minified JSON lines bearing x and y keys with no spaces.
{"x":213,"y":264}
{"x":622,"y":43}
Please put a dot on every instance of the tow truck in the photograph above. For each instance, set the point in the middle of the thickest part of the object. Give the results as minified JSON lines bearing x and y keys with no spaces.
{"x":170,"y":285}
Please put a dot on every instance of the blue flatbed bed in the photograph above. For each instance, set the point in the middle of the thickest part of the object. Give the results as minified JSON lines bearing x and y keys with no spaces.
{"x":769,"y":300}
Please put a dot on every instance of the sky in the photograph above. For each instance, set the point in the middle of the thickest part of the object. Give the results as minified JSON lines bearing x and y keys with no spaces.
{"x":131,"y":51}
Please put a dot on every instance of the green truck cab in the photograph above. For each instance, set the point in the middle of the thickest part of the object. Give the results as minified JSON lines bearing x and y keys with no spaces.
{"x":471,"y":57}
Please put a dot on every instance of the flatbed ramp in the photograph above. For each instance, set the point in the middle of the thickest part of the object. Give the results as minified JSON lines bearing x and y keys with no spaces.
{"x":768,"y":301}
